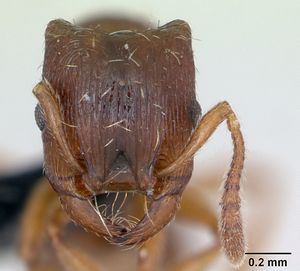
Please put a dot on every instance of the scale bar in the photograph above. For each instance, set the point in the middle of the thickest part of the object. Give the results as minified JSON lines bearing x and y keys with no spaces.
{"x":268,"y":253}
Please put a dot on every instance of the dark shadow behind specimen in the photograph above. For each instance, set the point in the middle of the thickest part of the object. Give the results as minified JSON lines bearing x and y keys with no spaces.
{"x":14,"y":189}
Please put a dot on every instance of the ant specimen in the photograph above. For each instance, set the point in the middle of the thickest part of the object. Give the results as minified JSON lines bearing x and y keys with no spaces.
{"x":118,"y":115}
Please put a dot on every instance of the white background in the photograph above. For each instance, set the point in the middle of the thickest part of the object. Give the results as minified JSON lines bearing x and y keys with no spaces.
{"x":246,"y":52}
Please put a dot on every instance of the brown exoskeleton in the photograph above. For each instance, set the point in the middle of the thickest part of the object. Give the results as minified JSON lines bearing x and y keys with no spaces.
{"x":118,"y":114}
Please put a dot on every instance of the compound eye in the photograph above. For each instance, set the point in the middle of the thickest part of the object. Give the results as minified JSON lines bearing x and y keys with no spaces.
{"x":39,"y":117}
{"x":195,"y":112}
